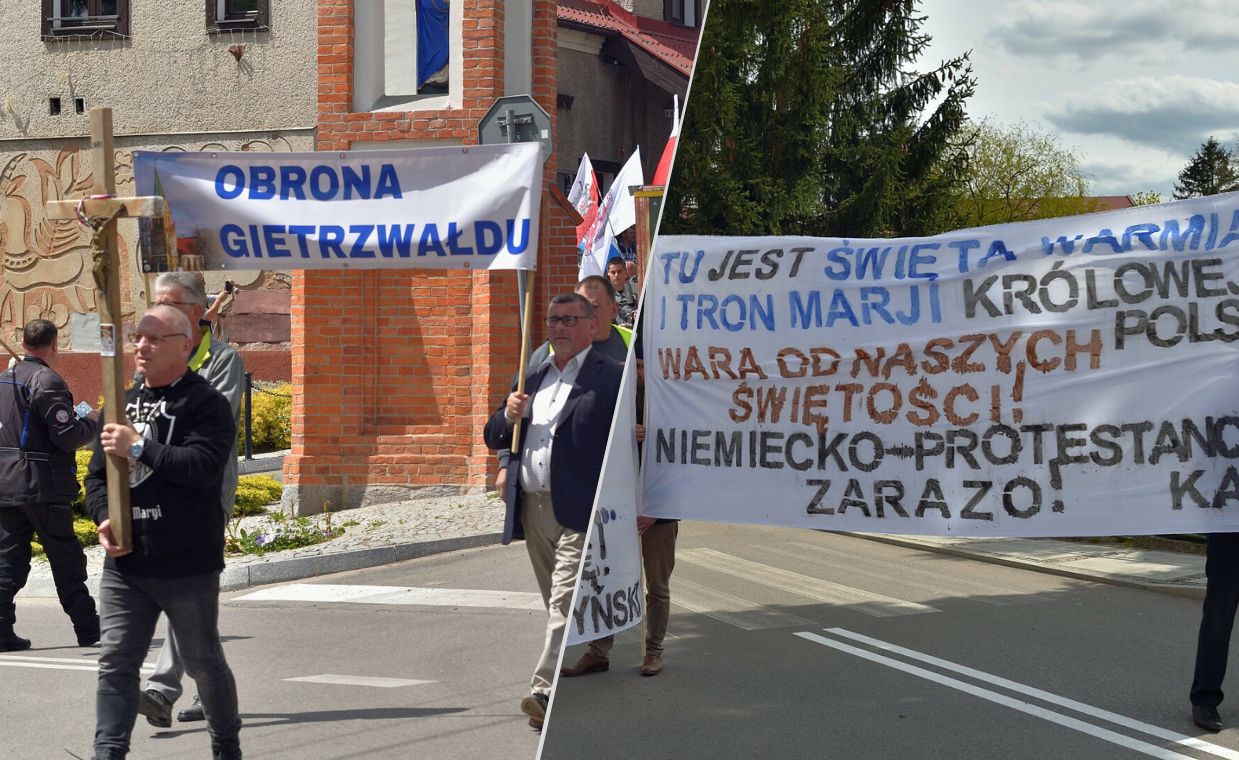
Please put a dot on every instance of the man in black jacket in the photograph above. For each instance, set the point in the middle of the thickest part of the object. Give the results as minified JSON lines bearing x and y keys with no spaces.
{"x":553,"y":476}
{"x":39,"y":431}
{"x":180,"y":437}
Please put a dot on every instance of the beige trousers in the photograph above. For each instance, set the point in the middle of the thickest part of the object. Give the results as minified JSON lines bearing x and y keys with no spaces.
{"x":555,"y":553}
{"x":658,"y":560}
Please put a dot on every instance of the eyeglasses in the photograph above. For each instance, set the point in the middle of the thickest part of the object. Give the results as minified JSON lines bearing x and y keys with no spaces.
{"x":568,"y":320}
{"x":151,"y":340}
{"x":174,"y":303}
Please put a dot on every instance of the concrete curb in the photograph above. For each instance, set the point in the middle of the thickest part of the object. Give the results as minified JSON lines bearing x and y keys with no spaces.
{"x":296,"y":568}
{"x":261,"y":463}
{"x":1189,"y":591}
{"x":240,"y":577}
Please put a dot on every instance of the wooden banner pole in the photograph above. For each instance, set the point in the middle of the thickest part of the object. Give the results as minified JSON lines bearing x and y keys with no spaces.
{"x":526,"y":327}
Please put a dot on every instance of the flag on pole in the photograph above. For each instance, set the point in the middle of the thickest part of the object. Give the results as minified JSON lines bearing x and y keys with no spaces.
{"x":664,"y":163}
{"x":616,"y":213}
{"x":584,"y":198}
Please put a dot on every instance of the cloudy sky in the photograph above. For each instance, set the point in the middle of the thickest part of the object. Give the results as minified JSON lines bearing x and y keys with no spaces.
{"x":1135,"y":86}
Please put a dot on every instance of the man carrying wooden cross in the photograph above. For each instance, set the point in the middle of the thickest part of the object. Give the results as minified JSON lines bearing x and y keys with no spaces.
{"x":178,"y":443}
{"x":219,"y":364}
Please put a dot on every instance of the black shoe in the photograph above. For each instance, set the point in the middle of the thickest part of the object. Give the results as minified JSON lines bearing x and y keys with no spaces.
{"x":534,"y":706}
{"x":157,"y":709}
{"x":192,"y":713}
{"x":87,"y":635}
{"x":11,"y":642}
{"x":1207,"y":718}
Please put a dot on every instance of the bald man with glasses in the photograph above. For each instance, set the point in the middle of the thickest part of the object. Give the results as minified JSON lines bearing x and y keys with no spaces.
{"x":178,"y":436}
{"x":552,"y":478}
{"x":220,"y":365}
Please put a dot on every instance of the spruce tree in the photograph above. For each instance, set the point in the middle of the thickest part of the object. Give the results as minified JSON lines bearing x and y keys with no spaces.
{"x":749,"y":153}
{"x":805,"y":117}
{"x":1210,"y":171}
{"x":892,"y":163}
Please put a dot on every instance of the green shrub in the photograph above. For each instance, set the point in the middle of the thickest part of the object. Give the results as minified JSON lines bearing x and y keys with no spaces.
{"x":254,"y":493}
{"x":83,"y":528}
{"x":271,"y":427}
{"x":283,"y":533}
{"x":79,"y":504}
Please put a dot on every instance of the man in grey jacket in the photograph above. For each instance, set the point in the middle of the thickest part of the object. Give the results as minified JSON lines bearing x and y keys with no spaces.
{"x":220,"y":365}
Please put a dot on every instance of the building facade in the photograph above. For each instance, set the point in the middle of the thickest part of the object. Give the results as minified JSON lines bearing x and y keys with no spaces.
{"x":188,"y":76}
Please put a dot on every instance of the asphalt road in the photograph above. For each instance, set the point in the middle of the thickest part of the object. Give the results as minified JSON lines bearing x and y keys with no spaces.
{"x":399,"y":664}
{"x":796,"y":644}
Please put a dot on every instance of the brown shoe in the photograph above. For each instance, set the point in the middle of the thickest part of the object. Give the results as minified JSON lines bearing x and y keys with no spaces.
{"x":589,"y":663}
{"x":534,"y":706}
{"x":653,"y":665}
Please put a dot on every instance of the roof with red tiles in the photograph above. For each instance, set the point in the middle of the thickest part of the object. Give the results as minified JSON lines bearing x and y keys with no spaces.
{"x":1112,"y":202}
{"x":674,"y":45}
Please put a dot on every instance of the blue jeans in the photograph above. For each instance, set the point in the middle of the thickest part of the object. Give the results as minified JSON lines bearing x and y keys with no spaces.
{"x":130,"y":607}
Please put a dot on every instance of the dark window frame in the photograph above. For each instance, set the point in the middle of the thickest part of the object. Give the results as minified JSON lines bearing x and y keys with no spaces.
{"x":257,"y":22}
{"x":669,"y":12}
{"x":97,"y":26}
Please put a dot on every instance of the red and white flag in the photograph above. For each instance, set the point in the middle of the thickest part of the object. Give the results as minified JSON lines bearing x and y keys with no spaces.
{"x":664,"y":163}
{"x":616,"y":213}
{"x":584,"y":198}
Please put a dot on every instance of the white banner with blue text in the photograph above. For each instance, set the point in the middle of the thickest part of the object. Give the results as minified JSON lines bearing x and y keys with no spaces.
{"x":462,"y":207}
{"x":1072,"y":376}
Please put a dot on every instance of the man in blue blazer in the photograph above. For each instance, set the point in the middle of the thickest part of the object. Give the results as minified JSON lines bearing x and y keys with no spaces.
{"x":552,"y":479}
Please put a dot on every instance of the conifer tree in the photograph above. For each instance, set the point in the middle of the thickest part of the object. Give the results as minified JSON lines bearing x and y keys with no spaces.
{"x":805,"y":117}
{"x":1211,"y":170}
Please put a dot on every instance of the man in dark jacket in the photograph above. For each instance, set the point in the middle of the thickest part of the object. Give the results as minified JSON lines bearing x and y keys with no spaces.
{"x":39,"y":431}
{"x":181,"y":435}
{"x":553,"y":475}
{"x":220,"y":365}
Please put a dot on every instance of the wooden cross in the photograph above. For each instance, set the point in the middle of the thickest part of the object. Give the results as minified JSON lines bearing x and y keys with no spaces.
{"x":100,"y":212}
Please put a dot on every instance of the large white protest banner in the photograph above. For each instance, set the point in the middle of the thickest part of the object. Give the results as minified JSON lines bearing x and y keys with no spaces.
{"x":608,"y":597}
{"x":445,"y":207}
{"x":1075,"y":376}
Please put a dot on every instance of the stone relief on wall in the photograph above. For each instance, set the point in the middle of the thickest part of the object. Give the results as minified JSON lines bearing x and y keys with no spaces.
{"x":45,"y":265}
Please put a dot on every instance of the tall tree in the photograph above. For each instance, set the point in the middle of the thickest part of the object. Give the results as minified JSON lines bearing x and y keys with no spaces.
{"x":892,"y":159}
{"x":805,"y":118}
{"x":1016,"y":173}
{"x":749,"y":150}
{"x":1211,"y":170}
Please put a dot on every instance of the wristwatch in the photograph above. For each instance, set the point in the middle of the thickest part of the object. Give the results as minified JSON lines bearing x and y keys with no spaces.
{"x":136,"y":448}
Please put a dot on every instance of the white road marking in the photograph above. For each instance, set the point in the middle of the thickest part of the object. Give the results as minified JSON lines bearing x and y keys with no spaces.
{"x":1040,"y":712}
{"x":382,"y":683}
{"x":1071,"y":704}
{"x":431,"y":597}
{"x":742,"y":613}
{"x":817,"y":589}
{"x":55,"y":663}
{"x":984,"y":593}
